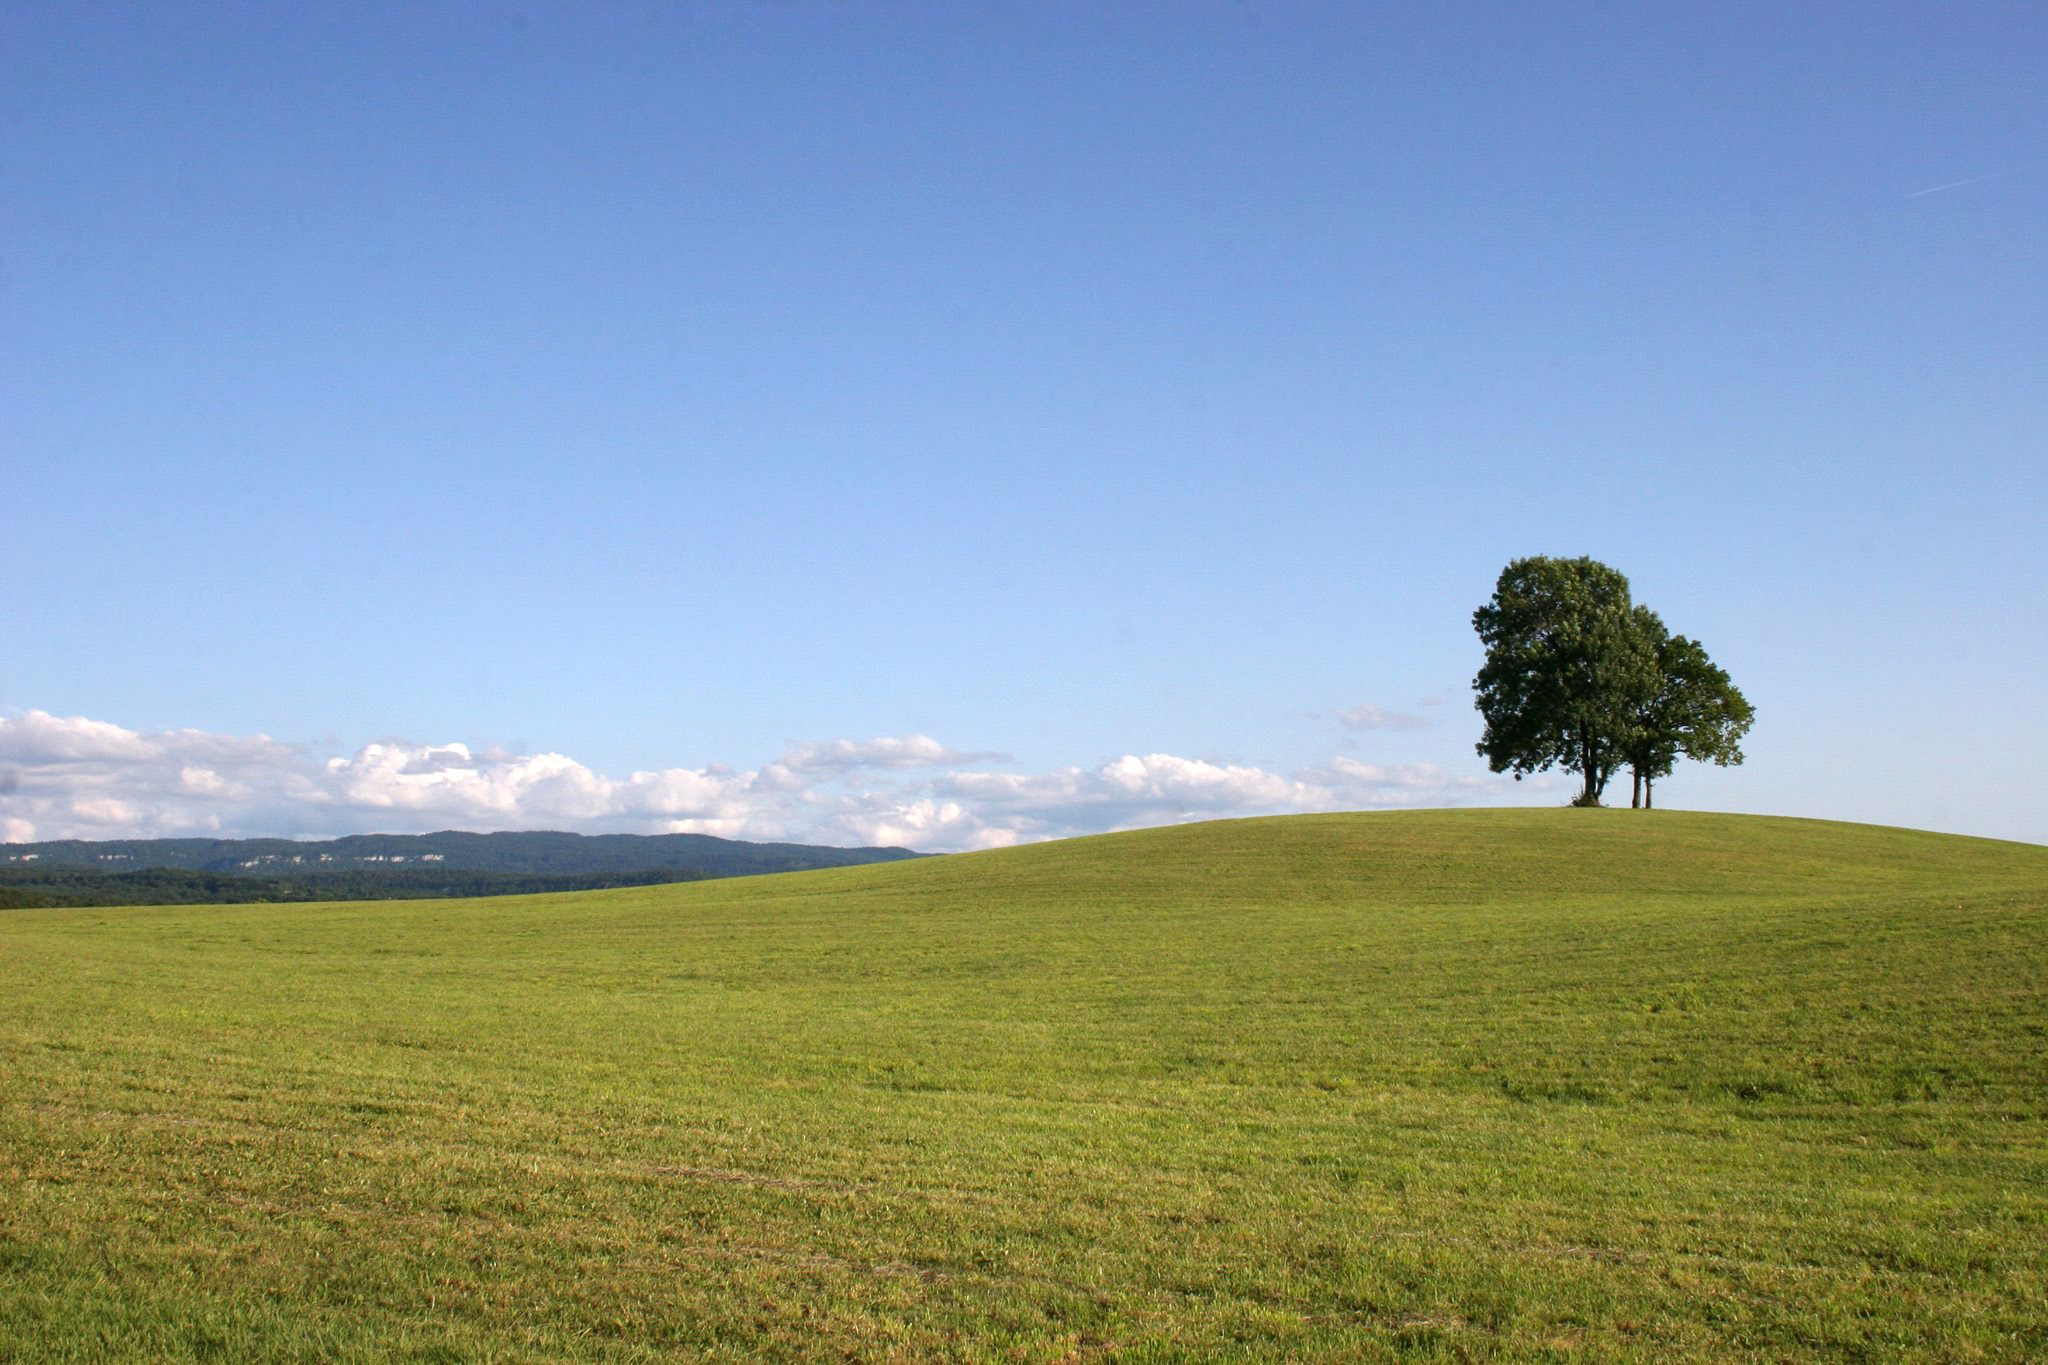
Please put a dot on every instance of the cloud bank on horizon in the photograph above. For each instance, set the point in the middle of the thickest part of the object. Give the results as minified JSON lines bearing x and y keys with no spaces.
{"x":76,"y":778}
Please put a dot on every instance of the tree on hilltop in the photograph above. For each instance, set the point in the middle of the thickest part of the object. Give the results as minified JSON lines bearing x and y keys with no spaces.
{"x":1579,"y":678}
{"x":1568,"y":668}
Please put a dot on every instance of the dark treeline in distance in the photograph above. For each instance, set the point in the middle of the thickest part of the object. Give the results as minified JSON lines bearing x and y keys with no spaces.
{"x":386,"y":866}
{"x":78,"y":886}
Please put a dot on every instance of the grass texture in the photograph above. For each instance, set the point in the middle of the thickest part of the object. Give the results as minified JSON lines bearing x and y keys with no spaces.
{"x":1465,"y":1085}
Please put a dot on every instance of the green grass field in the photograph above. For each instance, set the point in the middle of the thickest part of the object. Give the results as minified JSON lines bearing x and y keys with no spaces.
{"x":1508,"y":1084}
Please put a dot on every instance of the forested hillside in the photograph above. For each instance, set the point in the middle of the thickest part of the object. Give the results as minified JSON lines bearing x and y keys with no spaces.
{"x":386,"y":866}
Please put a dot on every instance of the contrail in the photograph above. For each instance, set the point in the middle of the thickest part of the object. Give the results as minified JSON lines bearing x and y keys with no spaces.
{"x":1952,"y":185}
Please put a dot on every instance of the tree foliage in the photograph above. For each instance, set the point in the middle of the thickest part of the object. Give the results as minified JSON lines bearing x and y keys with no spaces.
{"x":1579,"y":678}
{"x":1695,"y":712}
{"x":1566,"y":666}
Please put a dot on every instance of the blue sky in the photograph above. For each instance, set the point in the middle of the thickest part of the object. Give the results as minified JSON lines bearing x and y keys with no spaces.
{"x":710,"y":392}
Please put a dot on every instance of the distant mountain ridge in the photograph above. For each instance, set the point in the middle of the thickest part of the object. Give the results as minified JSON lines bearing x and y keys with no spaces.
{"x":386,"y":866}
{"x":549,"y":853}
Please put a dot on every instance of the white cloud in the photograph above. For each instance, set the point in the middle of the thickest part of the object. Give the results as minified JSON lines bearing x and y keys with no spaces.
{"x":204,"y":782}
{"x":1135,"y":791}
{"x":39,"y":737}
{"x":1349,"y":782}
{"x":1366,"y":716}
{"x":103,"y":810}
{"x":901,"y":751}
{"x":79,"y":778}
{"x":926,"y":823}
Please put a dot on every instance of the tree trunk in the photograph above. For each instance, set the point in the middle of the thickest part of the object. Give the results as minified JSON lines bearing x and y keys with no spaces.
{"x":1649,"y":785}
{"x":1635,"y":787}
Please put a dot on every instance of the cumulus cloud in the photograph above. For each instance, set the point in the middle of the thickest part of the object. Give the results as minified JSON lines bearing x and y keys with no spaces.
{"x":71,"y":777}
{"x":78,"y":778}
{"x":980,"y":809}
{"x":902,"y":751}
{"x":1366,"y":716}
{"x":1402,"y":784}
{"x":39,"y":737}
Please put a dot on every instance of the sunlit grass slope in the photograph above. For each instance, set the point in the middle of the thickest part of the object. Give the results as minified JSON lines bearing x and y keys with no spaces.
{"x":1491,"y":1083}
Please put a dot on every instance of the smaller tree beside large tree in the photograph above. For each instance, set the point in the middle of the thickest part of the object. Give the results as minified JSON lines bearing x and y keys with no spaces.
{"x":1696,"y":712}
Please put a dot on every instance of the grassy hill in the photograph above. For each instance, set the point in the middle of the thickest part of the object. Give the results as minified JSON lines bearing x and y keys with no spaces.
{"x":1519,"y":1084}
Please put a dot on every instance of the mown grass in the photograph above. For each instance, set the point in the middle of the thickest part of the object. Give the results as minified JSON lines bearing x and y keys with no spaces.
{"x":1510,"y":1084}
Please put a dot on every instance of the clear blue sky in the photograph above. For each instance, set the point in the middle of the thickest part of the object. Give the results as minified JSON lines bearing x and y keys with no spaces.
{"x":664,"y":386}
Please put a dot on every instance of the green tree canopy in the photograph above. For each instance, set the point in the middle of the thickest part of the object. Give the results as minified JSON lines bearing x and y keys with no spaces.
{"x":1696,"y":712}
{"x":1579,"y":678}
{"x":1569,"y":667}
